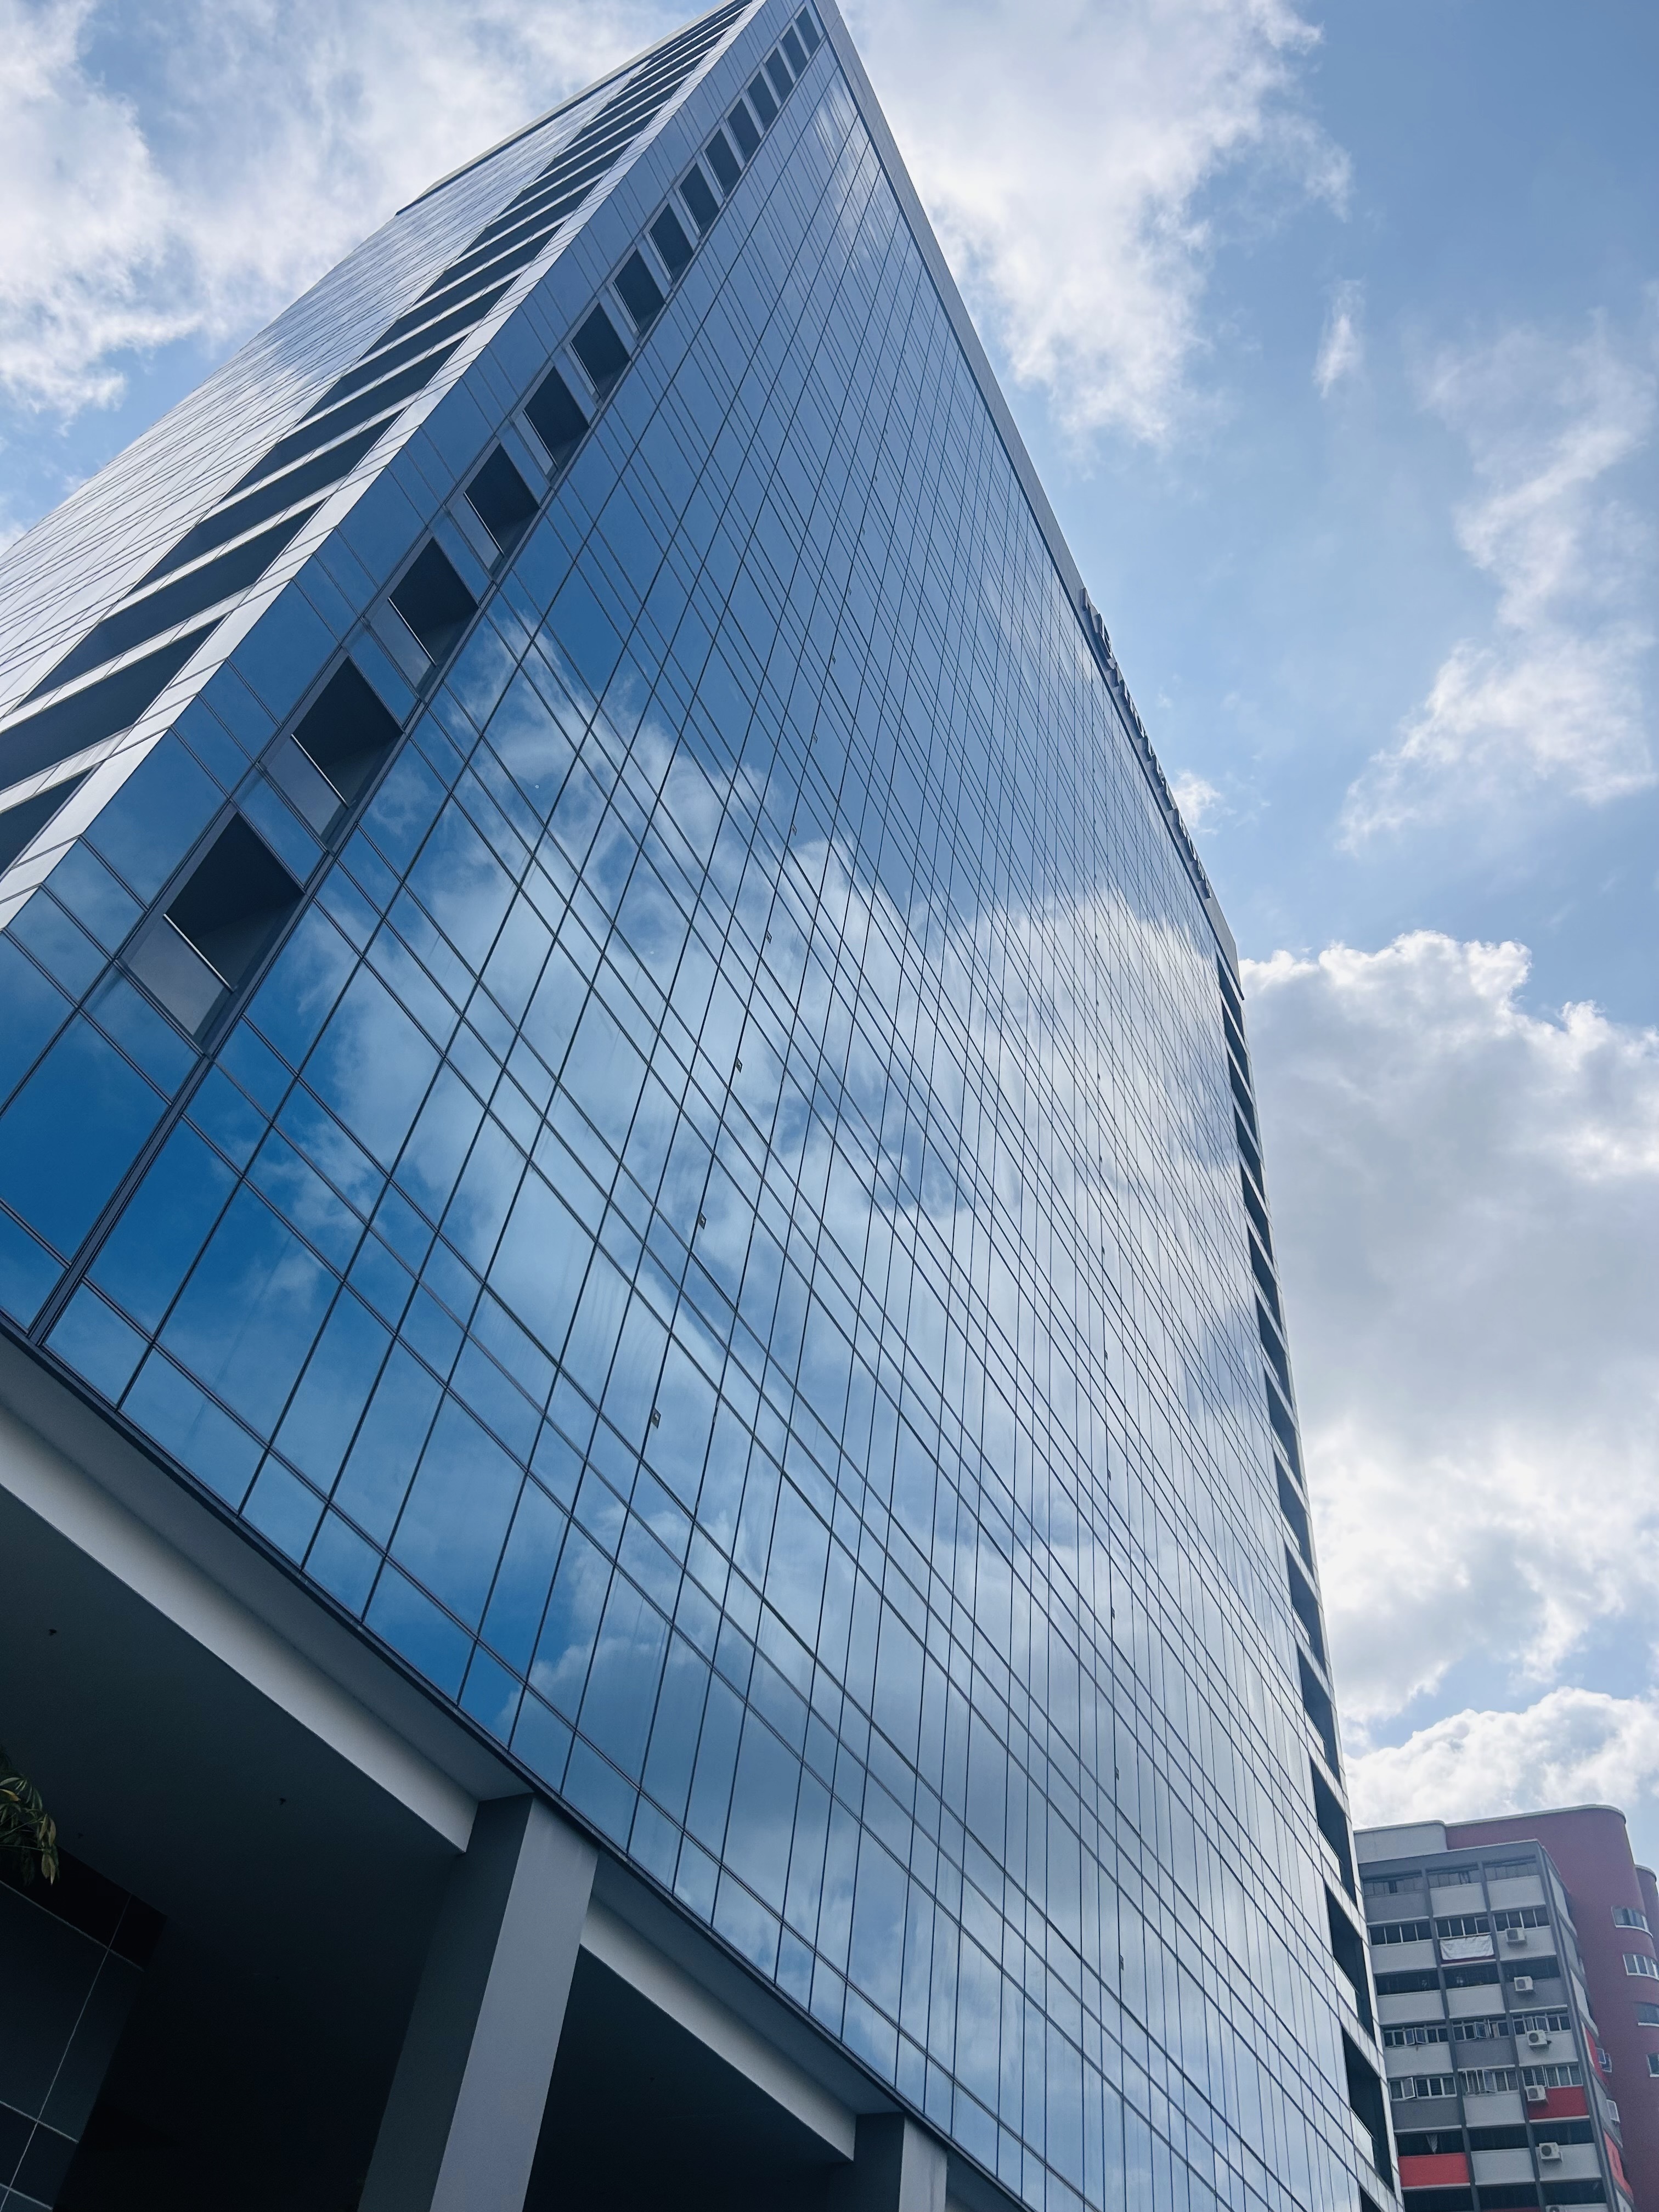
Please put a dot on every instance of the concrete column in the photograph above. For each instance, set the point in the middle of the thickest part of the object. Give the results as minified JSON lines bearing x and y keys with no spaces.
{"x":461,"y":2123}
{"x":896,"y":2168}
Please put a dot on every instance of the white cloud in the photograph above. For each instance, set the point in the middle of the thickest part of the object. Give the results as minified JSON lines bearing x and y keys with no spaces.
{"x":1200,"y":801}
{"x":1554,"y":694}
{"x":85,"y":249}
{"x":248,"y":150}
{"x":1064,"y":153}
{"x":1342,"y":346}
{"x":1466,"y":1203}
{"x":1572,"y":1748}
{"x":184,"y":174}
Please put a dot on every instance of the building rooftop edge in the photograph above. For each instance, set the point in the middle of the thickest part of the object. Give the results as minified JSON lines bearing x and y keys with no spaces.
{"x":1449,"y":1828}
{"x":1537,"y":1813}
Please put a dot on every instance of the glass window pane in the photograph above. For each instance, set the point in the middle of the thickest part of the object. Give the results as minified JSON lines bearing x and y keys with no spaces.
{"x":71,"y":1133}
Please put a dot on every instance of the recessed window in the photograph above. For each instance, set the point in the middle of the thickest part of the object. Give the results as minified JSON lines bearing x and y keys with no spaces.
{"x":1266,"y":1282}
{"x":1647,"y":2015}
{"x":98,"y":710}
{"x":1274,"y":1349}
{"x":1626,"y":1915}
{"x":791,"y":46}
{"x":434,"y":602}
{"x":1334,"y":1826}
{"x":303,"y":784}
{"x":778,"y":69}
{"x":20,"y":824}
{"x":1321,"y":1713}
{"x":1257,"y":1212}
{"x":501,"y":500}
{"x":1486,"y":2081}
{"x":760,"y":100}
{"x":1283,"y":1425}
{"x":319,"y":430}
{"x":174,"y":603}
{"x":279,"y":492}
{"x":209,"y":939}
{"x":1427,"y":2144}
{"x":699,"y":198}
{"x":1410,"y":1984}
{"x":1400,"y":1932}
{"x":1306,"y":1606}
{"x":668,"y":236}
{"x":722,"y":160}
{"x":741,"y":124}
{"x":812,"y":37}
{"x":1653,"y":2061}
{"x":1638,"y":1962}
{"x":1295,"y":1512}
{"x":1405,"y":2087}
{"x":600,"y":351}
{"x":1246,"y":1151}
{"x":555,"y":418}
{"x":639,"y":291}
{"x":420,"y":340}
{"x":348,"y":732}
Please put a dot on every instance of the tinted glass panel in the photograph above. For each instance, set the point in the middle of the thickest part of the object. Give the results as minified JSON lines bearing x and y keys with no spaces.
{"x":434,"y":602}
{"x":722,"y":160}
{"x":695,"y":192}
{"x":741,"y":124}
{"x":600,"y":351}
{"x":640,"y":292}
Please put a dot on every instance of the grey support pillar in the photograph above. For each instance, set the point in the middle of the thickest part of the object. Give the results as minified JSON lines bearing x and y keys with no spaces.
{"x":460,"y":2126}
{"x":896,"y":2168}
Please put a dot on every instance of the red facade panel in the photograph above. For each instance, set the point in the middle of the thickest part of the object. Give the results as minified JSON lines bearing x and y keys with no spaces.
{"x":1618,"y":2173}
{"x":1559,"y":2105}
{"x":1446,"y":2169}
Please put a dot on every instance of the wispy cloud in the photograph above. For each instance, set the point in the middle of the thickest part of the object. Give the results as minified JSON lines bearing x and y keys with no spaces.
{"x":1065,"y":153}
{"x":181,"y":173}
{"x":88,"y":236}
{"x":1555,"y":693}
{"x":247,"y":150}
{"x":1200,"y":803}
{"x":1466,"y":1203}
{"x":1342,"y":344}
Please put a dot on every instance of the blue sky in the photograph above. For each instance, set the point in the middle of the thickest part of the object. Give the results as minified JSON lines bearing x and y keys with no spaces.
{"x":1334,"y":331}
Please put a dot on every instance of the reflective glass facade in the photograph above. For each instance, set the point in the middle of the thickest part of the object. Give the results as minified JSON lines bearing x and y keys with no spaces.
{"x":665,"y":1128}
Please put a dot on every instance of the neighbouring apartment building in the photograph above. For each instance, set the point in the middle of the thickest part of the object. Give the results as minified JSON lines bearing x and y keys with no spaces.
{"x":1515,"y":1974}
{"x":654,"y":1537}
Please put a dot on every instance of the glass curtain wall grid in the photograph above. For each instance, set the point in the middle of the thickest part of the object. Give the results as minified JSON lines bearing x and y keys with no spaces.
{"x":634,"y":1078}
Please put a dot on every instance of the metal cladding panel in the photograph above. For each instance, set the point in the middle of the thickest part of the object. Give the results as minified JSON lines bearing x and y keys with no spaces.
{"x":1438,"y":2170}
{"x":694,"y":1194}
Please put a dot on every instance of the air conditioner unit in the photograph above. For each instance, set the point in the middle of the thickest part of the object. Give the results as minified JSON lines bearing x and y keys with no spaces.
{"x":1523,"y":1985}
{"x":1549,"y":2153}
{"x":1537,"y":2038}
{"x":1535,"y":2095}
{"x":1517,"y":1935}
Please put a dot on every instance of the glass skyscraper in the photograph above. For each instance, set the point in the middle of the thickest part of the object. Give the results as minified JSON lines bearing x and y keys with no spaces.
{"x":615,"y":1055}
